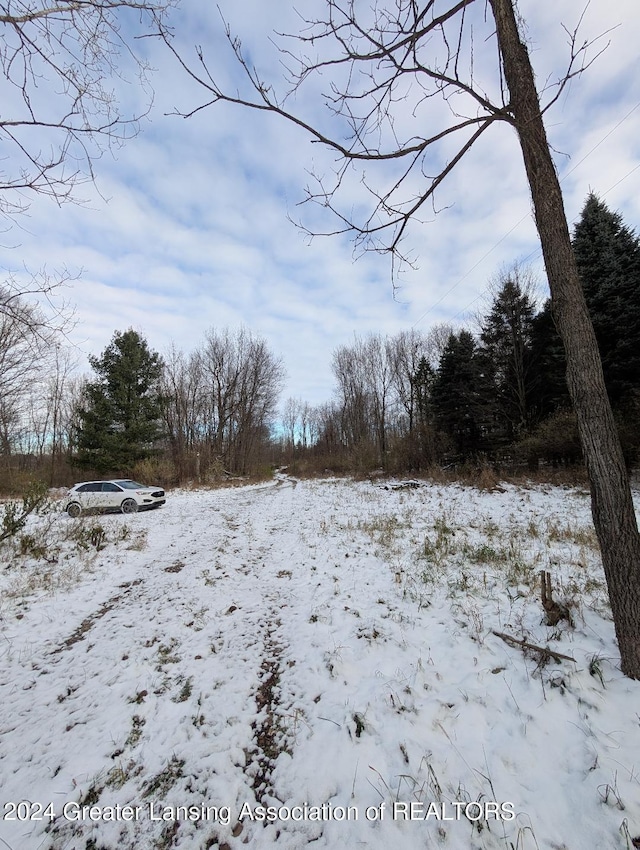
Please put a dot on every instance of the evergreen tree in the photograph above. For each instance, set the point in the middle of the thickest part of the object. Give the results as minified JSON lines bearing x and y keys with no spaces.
{"x":422,"y":433}
{"x":120,"y":419}
{"x":507,"y":344}
{"x":422,"y":386}
{"x":608,"y":257}
{"x":460,"y":396}
{"x":550,"y":393}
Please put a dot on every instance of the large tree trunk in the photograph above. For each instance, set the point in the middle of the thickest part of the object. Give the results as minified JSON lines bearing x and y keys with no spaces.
{"x":611,"y":503}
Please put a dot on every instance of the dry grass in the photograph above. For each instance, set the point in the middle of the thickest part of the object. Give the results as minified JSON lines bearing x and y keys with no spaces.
{"x":54,"y":552}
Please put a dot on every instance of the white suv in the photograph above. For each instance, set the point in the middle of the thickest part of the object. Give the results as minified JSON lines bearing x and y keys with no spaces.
{"x":123,"y":495}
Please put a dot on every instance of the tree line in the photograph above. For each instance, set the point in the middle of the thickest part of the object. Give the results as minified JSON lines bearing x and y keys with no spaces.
{"x":401,"y":403}
{"x":166,"y":419}
{"x":450,"y":397}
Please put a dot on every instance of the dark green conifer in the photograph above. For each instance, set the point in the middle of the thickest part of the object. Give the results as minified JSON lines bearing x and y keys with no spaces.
{"x":608,"y":257}
{"x":461,"y":392}
{"x":121,"y":416}
{"x":507,"y":344}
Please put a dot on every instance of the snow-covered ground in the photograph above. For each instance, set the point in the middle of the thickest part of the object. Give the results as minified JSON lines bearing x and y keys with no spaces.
{"x":325,"y":648}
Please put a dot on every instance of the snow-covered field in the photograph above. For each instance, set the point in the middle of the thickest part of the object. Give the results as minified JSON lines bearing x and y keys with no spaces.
{"x":324,"y":648}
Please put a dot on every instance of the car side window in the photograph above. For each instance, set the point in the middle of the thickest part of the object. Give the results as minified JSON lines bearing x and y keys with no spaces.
{"x":95,"y":487}
{"x":108,"y":487}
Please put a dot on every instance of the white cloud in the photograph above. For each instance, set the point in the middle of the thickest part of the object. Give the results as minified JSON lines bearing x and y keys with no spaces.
{"x":195,"y":233}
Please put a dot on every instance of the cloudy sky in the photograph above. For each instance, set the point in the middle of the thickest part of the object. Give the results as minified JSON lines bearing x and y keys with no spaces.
{"x":189,"y":227}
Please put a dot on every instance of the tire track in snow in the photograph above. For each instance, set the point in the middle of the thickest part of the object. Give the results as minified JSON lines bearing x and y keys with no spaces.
{"x":191,"y":656}
{"x":150,"y":627}
{"x":87,"y":624}
{"x":269,"y":736}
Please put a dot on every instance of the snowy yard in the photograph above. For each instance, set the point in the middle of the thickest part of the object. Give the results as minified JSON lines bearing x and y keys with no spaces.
{"x":324,"y":648}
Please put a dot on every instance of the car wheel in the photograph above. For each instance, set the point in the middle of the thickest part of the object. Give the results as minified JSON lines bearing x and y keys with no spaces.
{"x":74,"y":509}
{"x":129,"y":506}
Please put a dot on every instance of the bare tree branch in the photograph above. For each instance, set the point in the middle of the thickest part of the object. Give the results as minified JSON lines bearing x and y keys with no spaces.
{"x":58,"y":62}
{"x":35,"y":301}
{"x":579,"y":60}
{"x":385,"y":63}
{"x":389,"y":54}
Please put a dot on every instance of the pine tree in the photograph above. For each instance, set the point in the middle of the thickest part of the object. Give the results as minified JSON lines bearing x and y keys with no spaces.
{"x":507,"y":343}
{"x":608,"y":257}
{"x":460,"y":396}
{"x":550,"y":393}
{"x":120,"y":420}
{"x":422,"y":431}
{"x":421,"y":387}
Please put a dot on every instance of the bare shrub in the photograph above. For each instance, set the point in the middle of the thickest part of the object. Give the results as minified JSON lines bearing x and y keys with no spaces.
{"x":155,"y":470}
{"x":15,"y":515}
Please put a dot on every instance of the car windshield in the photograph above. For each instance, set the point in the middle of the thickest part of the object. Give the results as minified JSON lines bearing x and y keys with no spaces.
{"x":130,"y":485}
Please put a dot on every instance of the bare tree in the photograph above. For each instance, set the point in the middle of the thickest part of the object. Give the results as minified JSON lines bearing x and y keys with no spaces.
{"x":222,"y":398}
{"x":24,"y":344}
{"x":70,"y":421}
{"x":406,"y":350}
{"x":411,"y":353}
{"x":261,"y":382}
{"x":366,"y":379}
{"x":35,"y":374}
{"x":49,"y":405}
{"x":437,"y":339}
{"x":353,"y":393}
{"x":307,"y":425}
{"x":611,"y":502}
{"x":329,"y":434}
{"x":294,"y":425}
{"x":290,"y":417}
{"x":182,"y":390}
{"x":388,"y":61}
{"x":378,"y":366}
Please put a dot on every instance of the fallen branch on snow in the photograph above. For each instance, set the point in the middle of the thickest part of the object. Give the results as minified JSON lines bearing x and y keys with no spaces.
{"x":544,"y":651}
